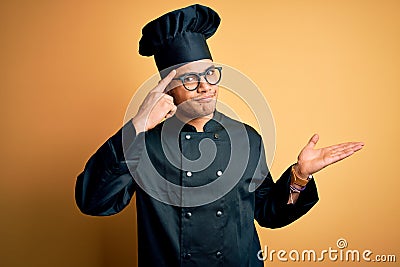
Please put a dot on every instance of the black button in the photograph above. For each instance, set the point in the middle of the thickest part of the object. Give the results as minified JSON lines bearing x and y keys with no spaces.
{"x":188,"y":215}
{"x":216,"y":136}
{"x":219,"y":213}
{"x":219,"y":254}
{"x":187,"y":256}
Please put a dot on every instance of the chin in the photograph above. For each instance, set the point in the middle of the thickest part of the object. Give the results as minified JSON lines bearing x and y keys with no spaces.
{"x":197,"y":111}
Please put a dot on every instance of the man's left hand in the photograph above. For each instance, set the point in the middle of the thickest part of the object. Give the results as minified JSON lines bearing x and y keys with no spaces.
{"x":311,"y":160}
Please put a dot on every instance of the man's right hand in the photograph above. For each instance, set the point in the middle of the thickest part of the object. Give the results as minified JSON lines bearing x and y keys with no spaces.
{"x":155,"y":107}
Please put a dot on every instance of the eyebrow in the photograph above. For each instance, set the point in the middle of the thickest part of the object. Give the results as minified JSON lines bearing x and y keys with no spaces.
{"x":193,"y":72}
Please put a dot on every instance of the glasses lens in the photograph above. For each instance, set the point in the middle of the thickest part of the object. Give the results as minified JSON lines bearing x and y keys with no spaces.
{"x":213,"y":76}
{"x":191,"y":81}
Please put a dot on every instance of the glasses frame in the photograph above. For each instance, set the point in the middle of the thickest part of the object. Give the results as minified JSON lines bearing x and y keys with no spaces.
{"x":198,"y":75}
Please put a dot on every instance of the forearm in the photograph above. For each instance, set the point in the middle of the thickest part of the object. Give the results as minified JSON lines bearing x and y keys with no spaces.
{"x":273,"y":209}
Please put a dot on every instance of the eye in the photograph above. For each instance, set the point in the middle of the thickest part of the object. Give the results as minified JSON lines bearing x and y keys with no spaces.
{"x":210,"y":72}
{"x":189,"y":79}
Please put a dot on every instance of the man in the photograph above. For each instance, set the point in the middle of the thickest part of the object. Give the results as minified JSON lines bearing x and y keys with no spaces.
{"x":164,"y":155}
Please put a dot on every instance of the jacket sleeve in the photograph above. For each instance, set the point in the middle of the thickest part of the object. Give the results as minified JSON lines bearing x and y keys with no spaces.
{"x":271,"y":208}
{"x":106,"y":186}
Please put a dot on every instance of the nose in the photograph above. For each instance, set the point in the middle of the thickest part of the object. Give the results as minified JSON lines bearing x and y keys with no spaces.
{"x":204,"y":86}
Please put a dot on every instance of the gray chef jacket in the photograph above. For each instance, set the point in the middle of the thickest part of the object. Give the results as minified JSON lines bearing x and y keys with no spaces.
{"x":218,"y":233}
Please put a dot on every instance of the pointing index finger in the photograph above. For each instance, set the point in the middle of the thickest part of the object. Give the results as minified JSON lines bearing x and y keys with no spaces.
{"x":164,"y":82}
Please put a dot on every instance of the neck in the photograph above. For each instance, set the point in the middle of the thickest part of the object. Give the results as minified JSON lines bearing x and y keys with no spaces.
{"x":198,"y":123}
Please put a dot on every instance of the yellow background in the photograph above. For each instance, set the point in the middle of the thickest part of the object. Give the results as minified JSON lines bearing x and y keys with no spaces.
{"x":68,"y":70}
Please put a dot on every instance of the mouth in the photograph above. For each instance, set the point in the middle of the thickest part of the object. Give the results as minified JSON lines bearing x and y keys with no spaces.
{"x":204,"y":99}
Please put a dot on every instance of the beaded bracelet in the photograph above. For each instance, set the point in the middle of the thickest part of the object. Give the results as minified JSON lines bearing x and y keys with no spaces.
{"x":295,"y":179}
{"x":297,"y":190}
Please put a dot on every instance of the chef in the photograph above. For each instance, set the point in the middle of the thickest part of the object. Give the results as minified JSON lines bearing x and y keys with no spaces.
{"x":200,"y":177}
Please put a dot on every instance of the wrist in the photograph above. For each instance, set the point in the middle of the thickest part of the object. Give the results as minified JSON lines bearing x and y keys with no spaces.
{"x":299,"y":173}
{"x":297,"y":180}
{"x":138,"y":124}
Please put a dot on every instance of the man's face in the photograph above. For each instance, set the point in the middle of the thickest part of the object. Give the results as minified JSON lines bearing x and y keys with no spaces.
{"x":199,"y":102}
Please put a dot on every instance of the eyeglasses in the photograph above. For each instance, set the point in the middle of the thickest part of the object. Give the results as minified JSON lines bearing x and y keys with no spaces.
{"x":191,"y":80}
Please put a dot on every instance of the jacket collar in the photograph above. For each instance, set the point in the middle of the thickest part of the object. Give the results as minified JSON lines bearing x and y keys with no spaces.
{"x":211,"y":126}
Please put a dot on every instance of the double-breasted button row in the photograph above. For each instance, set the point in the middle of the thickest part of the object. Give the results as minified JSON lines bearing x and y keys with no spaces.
{"x":188,"y":136}
{"x":190,"y":174}
{"x":219,"y":213}
{"x":187,"y":255}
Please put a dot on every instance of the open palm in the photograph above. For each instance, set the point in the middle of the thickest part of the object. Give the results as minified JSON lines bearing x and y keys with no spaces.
{"x":311,"y":160}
